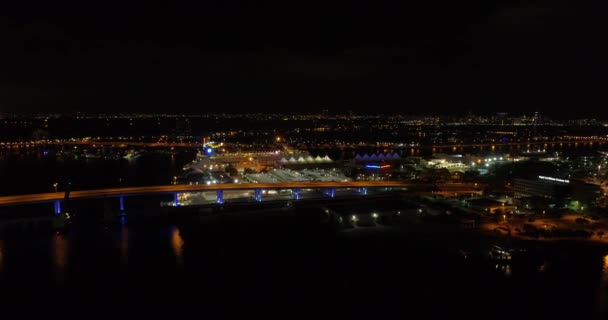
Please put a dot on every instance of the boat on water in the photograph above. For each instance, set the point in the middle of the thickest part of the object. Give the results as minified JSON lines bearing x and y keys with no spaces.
{"x":88,"y":155}
{"x":498,"y":253}
{"x":505,"y":253}
{"x":131,"y":155}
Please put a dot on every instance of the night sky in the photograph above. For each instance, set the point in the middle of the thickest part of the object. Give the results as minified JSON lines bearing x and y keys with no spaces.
{"x":365,"y":56}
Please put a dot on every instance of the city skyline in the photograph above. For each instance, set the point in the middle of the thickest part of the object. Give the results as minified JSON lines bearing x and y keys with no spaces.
{"x":533,"y":117}
{"x":260,"y":158}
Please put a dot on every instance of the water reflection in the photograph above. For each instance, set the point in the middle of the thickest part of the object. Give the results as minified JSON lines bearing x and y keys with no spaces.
{"x":60,"y":247}
{"x":123,"y":244}
{"x":1,"y":254}
{"x":177,"y":244}
{"x":602,"y":296}
{"x":505,"y":269}
{"x":605,"y":272}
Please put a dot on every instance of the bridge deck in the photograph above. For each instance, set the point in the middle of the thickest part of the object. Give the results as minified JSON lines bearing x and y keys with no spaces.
{"x":163,"y":189}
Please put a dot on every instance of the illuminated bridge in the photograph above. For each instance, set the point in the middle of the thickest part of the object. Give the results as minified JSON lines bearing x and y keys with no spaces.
{"x":296,"y":187}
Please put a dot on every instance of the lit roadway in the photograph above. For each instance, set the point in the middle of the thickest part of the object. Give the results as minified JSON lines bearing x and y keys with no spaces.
{"x":171,"y":189}
{"x":519,"y":143}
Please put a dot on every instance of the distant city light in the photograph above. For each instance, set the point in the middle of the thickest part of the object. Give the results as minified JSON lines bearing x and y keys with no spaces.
{"x":209,"y":150}
{"x":553,"y":179}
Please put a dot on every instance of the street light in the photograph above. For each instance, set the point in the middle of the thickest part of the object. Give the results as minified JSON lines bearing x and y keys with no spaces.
{"x":55,"y":185}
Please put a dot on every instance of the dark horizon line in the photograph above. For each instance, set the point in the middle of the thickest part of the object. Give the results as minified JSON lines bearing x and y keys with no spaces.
{"x":329,"y":112}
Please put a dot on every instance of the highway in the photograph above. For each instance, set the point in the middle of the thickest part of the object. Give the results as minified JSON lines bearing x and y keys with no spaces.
{"x":167,"y":189}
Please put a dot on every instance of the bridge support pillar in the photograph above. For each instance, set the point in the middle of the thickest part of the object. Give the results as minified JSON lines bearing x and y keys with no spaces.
{"x":295,"y":193}
{"x":363,"y":191}
{"x":219,"y":196}
{"x":175,"y":201}
{"x":57,"y":207}
{"x":258,"y":195}
{"x":330,"y":192}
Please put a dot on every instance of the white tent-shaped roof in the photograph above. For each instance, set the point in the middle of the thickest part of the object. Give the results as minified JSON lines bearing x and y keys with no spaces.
{"x":373,"y":157}
{"x":318,"y":159}
{"x":301,"y":160}
{"x":366,"y":157}
{"x":283,"y":160}
{"x":310,"y":159}
{"x":381,"y":156}
{"x":357,"y":157}
{"x":327,"y":159}
{"x":396,"y":156}
{"x":292,"y":160}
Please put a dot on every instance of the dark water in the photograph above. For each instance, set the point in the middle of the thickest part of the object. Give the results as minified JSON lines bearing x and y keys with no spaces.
{"x":289,"y":272}
{"x":34,"y":172}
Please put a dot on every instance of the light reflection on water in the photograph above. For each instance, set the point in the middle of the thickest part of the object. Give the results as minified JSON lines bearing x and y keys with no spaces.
{"x":177,"y":244}
{"x":123,"y":244}
{"x":505,"y":269}
{"x":60,"y":249}
{"x":602,"y":295}
{"x":1,"y":254}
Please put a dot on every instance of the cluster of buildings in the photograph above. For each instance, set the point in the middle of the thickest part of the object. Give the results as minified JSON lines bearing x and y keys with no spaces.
{"x":209,"y":159}
{"x":525,"y":193}
{"x":462,"y":163}
{"x":554,"y":192}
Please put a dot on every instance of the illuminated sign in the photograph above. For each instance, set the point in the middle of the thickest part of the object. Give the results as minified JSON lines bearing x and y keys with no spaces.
{"x":371,"y":166}
{"x":553,"y":179}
